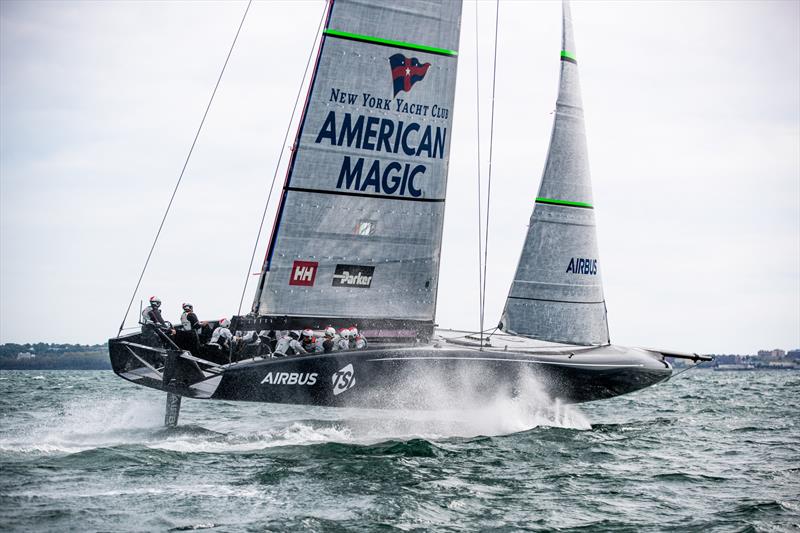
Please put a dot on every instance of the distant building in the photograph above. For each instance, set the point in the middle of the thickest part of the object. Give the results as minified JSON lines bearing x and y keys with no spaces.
{"x":25,"y":355}
{"x":771,"y":355}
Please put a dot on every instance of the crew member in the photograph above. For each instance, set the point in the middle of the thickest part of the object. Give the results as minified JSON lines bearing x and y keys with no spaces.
{"x":309,"y":342}
{"x":289,"y":345}
{"x":359,"y":340}
{"x":222,"y":335}
{"x":151,"y":316}
{"x":189,"y":320}
{"x":344,"y":339}
{"x":329,"y":342}
{"x":191,"y":328}
{"x":269,"y":341}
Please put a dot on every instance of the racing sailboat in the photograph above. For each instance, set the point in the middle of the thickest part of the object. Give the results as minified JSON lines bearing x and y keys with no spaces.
{"x":357,"y":240}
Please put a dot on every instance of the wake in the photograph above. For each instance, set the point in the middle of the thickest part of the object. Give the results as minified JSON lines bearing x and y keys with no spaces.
{"x":85,"y":424}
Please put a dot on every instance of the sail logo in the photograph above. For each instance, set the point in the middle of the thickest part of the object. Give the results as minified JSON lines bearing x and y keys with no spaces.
{"x":406,"y":71}
{"x":579,"y":265}
{"x":290,"y":378}
{"x":358,"y":276}
{"x":375,"y":134}
{"x":343,"y":380}
{"x":303,"y":273}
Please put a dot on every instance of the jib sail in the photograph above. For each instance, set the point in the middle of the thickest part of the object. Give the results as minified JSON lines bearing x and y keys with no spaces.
{"x":358,"y":231}
{"x":557,"y":294}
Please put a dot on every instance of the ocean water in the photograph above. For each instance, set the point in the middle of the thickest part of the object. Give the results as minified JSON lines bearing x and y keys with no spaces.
{"x":706,"y":451}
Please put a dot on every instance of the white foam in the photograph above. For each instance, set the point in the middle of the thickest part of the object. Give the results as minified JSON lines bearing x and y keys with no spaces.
{"x":97,"y":422}
{"x":88,"y":424}
{"x":297,"y":433}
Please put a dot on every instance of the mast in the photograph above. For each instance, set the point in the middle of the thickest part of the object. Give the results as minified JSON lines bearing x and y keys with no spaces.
{"x":358,"y":230}
{"x":557,"y":293}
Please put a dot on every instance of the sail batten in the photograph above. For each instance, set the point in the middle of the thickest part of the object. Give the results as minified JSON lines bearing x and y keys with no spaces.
{"x":359,"y":228}
{"x":557,"y":293}
{"x":389,"y":42}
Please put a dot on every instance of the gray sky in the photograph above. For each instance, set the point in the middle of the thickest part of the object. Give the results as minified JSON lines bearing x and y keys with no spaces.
{"x":693,"y":125}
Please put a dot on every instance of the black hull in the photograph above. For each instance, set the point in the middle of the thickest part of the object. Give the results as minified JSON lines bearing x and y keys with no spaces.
{"x":421,"y":377}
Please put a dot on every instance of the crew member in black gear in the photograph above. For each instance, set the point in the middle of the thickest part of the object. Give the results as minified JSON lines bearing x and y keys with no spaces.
{"x":151,"y":316}
{"x":191,"y":328}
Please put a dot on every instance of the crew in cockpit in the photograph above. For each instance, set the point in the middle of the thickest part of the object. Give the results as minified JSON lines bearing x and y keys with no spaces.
{"x":344,"y":339}
{"x":310,"y":342}
{"x":151,"y":316}
{"x":289,"y":345}
{"x":222,"y":335}
{"x":191,"y":329}
{"x":329,"y":342}
{"x":358,"y":340}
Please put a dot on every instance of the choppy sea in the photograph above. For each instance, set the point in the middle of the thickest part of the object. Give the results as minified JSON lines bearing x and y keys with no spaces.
{"x":707,"y":451}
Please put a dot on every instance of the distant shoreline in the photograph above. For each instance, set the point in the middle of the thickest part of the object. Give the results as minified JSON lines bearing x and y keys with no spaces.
{"x":45,"y":356}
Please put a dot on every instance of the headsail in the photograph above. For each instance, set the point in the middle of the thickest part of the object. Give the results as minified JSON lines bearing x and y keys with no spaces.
{"x":557,"y":294}
{"x":358,"y":231}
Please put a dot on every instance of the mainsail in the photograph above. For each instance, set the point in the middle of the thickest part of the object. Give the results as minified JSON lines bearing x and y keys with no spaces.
{"x":359,"y":226}
{"x":557,"y":293}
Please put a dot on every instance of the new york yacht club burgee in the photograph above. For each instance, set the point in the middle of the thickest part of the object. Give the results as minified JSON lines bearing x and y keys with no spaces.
{"x":359,"y":226}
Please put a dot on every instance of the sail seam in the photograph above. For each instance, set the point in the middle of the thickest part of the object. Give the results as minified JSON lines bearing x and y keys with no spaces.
{"x":567,"y":203}
{"x":388,"y":42}
{"x":381,"y":196}
{"x":555,"y":301}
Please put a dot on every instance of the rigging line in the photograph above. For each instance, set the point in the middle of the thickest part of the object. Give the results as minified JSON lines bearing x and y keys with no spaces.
{"x":491,"y":147}
{"x":185,"y":164}
{"x":280,"y":156}
{"x":686,"y":369}
{"x":478,"y":135}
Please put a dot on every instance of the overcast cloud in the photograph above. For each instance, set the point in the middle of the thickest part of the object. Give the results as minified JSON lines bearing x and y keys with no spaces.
{"x":693,"y":124}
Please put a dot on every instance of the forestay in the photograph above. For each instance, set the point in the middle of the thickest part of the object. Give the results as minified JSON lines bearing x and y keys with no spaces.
{"x":557,"y":294}
{"x":359,"y":226}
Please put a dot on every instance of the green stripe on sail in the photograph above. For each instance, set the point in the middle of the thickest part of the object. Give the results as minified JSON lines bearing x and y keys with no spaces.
{"x":568,"y":55}
{"x":563,"y":202}
{"x":389,"y":42}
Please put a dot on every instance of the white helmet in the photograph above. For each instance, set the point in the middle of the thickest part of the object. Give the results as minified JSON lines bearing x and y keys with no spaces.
{"x":307,"y":333}
{"x":224,"y":323}
{"x":330,"y":331}
{"x":344,"y":333}
{"x":354,"y":331}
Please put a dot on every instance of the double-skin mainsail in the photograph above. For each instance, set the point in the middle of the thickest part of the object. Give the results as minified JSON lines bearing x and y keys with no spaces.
{"x":358,"y":233}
